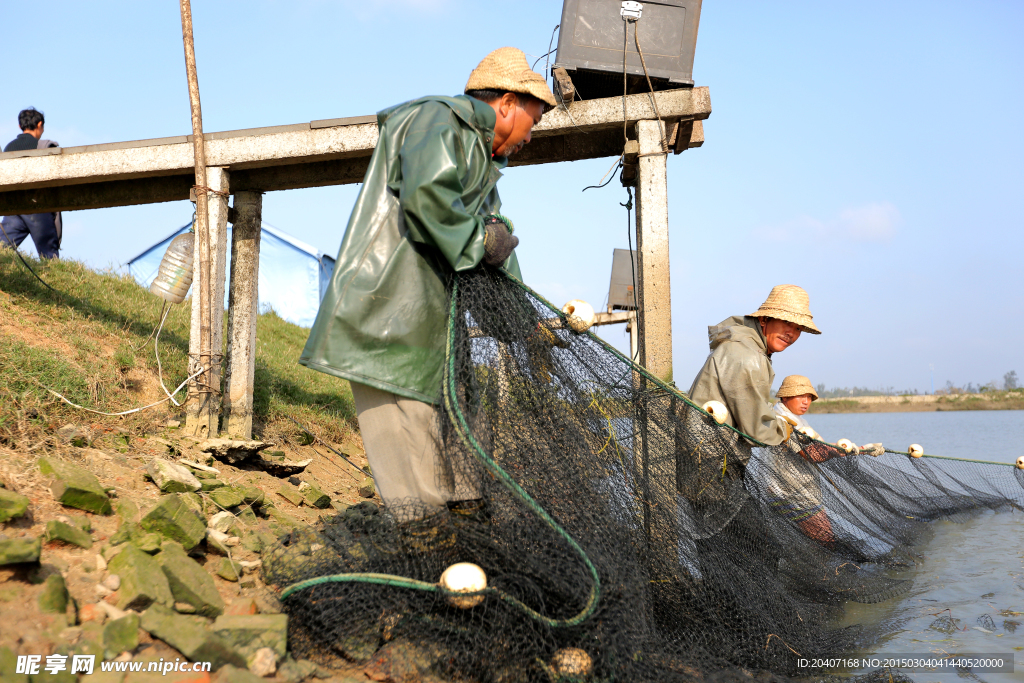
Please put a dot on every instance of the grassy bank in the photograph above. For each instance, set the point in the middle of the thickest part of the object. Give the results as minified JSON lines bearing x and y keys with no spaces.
{"x":92,"y":342}
{"x":992,"y":400}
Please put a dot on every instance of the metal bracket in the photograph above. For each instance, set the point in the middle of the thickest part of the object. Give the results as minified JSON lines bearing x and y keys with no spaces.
{"x":631,"y":10}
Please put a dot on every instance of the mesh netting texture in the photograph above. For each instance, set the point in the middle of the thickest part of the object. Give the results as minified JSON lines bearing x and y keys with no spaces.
{"x":613,"y":517}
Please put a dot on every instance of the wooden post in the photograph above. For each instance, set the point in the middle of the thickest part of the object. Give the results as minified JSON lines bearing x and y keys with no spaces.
{"x":242,"y":313}
{"x":202,"y":414}
{"x":200,"y":345}
{"x":654,"y":296}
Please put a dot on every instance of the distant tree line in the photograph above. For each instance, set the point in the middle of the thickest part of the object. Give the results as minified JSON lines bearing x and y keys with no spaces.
{"x":1010,"y":383}
{"x":845,"y":392}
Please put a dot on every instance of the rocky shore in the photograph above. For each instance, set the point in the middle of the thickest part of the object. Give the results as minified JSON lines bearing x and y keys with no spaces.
{"x":152,"y":553}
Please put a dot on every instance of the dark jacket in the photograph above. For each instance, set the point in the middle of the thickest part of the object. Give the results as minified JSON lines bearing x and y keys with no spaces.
{"x":25,"y":142}
{"x":21,"y":143}
{"x":418,"y":218}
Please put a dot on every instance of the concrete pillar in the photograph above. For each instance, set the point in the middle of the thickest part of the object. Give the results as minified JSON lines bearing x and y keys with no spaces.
{"x":654,"y":295}
{"x":242,"y":313}
{"x":202,"y":414}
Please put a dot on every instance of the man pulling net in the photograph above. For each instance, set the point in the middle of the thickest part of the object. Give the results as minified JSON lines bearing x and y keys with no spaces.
{"x":620,"y":533}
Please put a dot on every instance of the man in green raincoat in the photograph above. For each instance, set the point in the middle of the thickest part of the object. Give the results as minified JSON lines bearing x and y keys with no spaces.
{"x":428,"y":208}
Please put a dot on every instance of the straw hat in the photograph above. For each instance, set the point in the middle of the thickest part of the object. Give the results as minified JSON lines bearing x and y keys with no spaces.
{"x":796,"y":385}
{"x":789,"y":303}
{"x":507,"y":69}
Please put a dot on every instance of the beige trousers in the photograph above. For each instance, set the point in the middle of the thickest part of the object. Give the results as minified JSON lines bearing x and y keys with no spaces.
{"x":400,"y":437}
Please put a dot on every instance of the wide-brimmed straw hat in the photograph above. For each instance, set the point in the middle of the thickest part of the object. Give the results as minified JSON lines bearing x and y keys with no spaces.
{"x":507,"y":69}
{"x":796,"y":385}
{"x":789,"y":303}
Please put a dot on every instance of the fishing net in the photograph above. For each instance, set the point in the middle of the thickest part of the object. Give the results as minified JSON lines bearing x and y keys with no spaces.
{"x":625,"y":535}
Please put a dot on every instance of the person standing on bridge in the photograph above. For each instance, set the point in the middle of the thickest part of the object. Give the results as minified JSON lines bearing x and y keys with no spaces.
{"x":428,"y":208}
{"x":45,"y":228}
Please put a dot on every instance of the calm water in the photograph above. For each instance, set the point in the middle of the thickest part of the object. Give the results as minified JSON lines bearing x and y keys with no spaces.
{"x":975,"y":570}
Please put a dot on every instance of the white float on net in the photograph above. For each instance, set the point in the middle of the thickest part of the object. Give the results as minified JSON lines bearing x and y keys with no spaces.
{"x":463,"y":577}
{"x":717,"y":410}
{"x":572,"y":661}
{"x":580,"y":315}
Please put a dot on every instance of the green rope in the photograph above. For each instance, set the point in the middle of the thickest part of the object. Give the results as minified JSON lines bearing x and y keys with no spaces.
{"x":380,"y":579}
{"x":676,"y":392}
{"x":660,"y":384}
{"x":947,"y":457}
{"x":459,"y":420}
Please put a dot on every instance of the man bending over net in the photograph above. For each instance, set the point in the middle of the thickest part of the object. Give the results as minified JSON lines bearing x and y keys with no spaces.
{"x":427,"y":209}
{"x":739,"y":373}
{"x":793,"y":487}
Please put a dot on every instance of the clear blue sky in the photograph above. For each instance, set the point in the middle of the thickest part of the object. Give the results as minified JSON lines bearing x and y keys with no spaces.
{"x":868,"y":152}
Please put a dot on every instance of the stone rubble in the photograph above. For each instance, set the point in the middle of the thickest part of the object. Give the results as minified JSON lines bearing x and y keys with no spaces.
{"x":177,"y":572}
{"x":171,"y":477}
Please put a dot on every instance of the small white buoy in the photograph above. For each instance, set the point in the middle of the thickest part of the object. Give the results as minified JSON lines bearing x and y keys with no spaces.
{"x":915,"y":450}
{"x":464,"y":577}
{"x":716,"y":410}
{"x":571,"y":661}
{"x":847,"y":445}
{"x":580,"y":315}
{"x":1020,"y":463}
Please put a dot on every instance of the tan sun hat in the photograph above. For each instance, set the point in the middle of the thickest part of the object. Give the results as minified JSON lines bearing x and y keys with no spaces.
{"x":507,"y":69}
{"x":789,"y":303}
{"x":796,"y":385}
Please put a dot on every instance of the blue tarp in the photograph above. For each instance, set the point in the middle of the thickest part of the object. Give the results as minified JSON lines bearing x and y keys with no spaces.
{"x":292,"y":279}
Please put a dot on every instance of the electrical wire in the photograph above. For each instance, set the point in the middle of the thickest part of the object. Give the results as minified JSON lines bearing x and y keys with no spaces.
{"x":603,"y":182}
{"x":126,"y":412}
{"x":625,"y":87}
{"x":18,"y":252}
{"x":550,"y":43}
{"x":654,"y":101}
{"x":632,"y":267}
{"x":540,"y":58}
{"x":335,"y":466}
{"x":156,"y":351}
{"x":150,"y":335}
{"x":164,"y":311}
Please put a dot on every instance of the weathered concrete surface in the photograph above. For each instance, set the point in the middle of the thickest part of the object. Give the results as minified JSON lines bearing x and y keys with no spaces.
{"x":203,"y":413}
{"x":242,"y":314}
{"x":314,"y":154}
{"x":654,"y":294}
{"x":238,"y":149}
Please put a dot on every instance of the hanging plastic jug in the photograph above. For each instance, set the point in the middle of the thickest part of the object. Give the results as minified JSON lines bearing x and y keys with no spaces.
{"x":175,"y":276}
